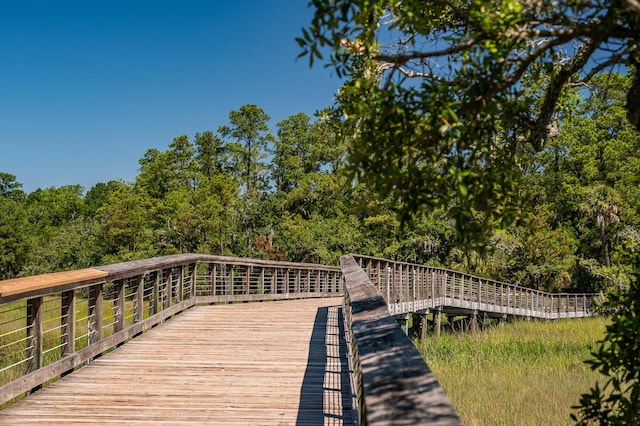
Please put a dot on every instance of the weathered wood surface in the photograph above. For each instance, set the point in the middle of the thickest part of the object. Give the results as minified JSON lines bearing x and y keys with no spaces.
{"x":252,"y":363}
{"x":55,"y":280}
{"x":395,"y":384}
{"x":135,"y":267}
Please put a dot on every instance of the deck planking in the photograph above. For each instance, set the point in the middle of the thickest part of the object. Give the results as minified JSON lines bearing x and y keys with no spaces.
{"x":268,"y":363}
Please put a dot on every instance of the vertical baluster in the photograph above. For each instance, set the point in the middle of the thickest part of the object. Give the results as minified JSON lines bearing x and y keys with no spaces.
{"x":118,"y":323}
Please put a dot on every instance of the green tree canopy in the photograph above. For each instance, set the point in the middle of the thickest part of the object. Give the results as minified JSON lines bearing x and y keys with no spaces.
{"x":436,"y":90}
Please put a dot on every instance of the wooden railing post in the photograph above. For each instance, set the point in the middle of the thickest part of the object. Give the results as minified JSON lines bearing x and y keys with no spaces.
{"x":212,"y":273}
{"x":446,"y":284}
{"x":155,"y":298}
{"x":180,"y":287}
{"x":68,"y":319}
{"x":388,"y":282}
{"x":34,"y":332}
{"x":168,"y":289}
{"x":95,"y":314}
{"x":118,"y":323}
{"x":433,"y":284}
{"x":138,"y":314}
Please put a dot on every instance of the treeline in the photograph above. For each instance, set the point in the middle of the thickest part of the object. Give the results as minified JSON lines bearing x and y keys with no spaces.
{"x":249,"y":190}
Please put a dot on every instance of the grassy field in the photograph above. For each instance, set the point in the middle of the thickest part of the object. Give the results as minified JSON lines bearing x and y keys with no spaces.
{"x":525,"y":373}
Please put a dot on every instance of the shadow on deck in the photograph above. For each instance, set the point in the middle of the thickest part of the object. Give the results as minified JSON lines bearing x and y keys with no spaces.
{"x":325,"y":396}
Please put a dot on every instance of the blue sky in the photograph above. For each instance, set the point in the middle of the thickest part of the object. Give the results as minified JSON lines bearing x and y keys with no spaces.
{"x":86,"y":87}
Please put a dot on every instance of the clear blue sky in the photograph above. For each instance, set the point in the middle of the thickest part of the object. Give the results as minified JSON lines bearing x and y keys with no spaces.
{"x":87,"y":86}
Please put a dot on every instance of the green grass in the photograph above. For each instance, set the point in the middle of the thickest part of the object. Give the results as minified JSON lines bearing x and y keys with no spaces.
{"x":13,"y":345}
{"x":525,"y":373}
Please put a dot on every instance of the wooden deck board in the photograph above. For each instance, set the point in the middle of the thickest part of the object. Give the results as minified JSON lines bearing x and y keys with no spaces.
{"x":254,"y":363}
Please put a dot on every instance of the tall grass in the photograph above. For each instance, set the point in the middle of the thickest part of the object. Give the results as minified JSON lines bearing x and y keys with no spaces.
{"x":525,"y":373}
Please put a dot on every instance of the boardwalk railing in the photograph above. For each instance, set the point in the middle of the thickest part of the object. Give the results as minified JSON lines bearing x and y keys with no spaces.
{"x":409,"y":288}
{"x":392,"y":382}
{"x":54,"y":323}
{"x":51,"y":324}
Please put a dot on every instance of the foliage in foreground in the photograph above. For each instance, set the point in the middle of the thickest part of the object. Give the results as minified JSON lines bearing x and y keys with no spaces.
{"x":617,"y":358}
{"x":527,"y":373}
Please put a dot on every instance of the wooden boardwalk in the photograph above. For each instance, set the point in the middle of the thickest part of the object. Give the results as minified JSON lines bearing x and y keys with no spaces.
{"x":252,"y":363}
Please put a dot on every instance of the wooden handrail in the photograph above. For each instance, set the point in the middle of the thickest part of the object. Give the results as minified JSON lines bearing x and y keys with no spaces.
{"x":393,"y":383}
{"x":17,"y":287}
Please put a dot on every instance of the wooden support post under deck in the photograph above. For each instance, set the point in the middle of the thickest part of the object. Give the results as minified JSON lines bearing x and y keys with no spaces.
{"x":437,"y":321}
{"x":403,"y":322}
{"x":420,"y":324}
{"x":502,"y":320}
{"x":473,"y":322}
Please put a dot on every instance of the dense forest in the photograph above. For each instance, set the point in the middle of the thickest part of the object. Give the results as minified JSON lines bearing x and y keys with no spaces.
{"x":281,"y":193}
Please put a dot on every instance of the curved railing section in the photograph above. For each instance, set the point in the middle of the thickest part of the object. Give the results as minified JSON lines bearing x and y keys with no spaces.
{"x":392,"y":382}
{"x":51,"y":324}
{"x":409,"y":288}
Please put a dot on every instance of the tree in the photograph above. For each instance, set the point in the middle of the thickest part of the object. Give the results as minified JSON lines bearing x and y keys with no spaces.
{"x":435,"y":90}
{"x":249,"y":132}
{"x":292,"y":157}
{"x":53,"y":206}
{"x":248,"y":137}
{"x":10,"y":188}
{"x":210,"y":153}
{"x":588,"y":174}
{"x":14,"y":240}
{"x":126,"y":228}
{"x":98,"y":195}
